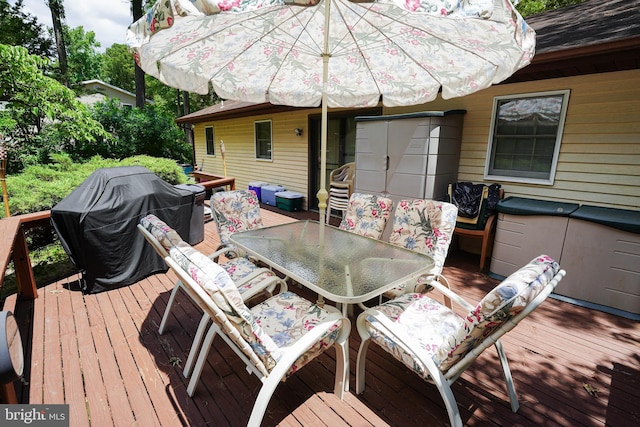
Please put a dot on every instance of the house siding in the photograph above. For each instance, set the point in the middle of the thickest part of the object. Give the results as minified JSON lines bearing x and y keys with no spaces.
{"x":289,"y":164}
{"x":599,"y":161}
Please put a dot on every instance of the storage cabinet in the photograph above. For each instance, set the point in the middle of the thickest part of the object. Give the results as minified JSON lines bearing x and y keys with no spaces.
{"x":598,"y":247}
{"x":408,"y":155}
{"x":601,"y":255}
{"x":527,"y":228}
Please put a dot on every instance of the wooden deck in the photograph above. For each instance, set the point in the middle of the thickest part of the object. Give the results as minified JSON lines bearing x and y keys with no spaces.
{"x":102,"y":355}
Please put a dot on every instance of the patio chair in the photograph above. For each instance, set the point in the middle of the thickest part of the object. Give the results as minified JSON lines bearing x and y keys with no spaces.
{"x":234,"y":211}
{"x":425,"y":226}
{"x":250,"y":279}
{"x":367,"y":215}
{"x":274,"y":339}
{"x":480,"y":217}
{"x":439,"y":345}
{"x":340,"y":188}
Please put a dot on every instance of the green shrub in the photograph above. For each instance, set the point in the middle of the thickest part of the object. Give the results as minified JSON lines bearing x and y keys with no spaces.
{"x":41,"y":187}
{"x":166,"y":169}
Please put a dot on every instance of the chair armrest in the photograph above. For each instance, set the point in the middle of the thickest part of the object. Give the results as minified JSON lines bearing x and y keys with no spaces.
{"x":449,"y":293}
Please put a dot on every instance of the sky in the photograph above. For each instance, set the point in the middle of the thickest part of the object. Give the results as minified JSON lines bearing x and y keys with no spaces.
{"x":108,"y":19}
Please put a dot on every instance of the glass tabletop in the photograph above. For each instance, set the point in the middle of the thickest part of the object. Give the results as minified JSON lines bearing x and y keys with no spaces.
{"x":341,"y":266}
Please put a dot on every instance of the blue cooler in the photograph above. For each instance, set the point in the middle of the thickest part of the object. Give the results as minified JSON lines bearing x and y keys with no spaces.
{"x":289,"y":200}
{"x":268,"y":193}
{"x":257,"y":187}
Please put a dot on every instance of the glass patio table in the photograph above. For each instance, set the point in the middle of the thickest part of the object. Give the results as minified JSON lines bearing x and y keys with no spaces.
{"x":338,"y":265}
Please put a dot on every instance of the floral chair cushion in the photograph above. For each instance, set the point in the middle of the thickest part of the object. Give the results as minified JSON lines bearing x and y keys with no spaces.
{"x":367,"y":215}
{"x":167,"y":236}
{"x":224,"y":293}
{"x":234,"y":211}
{"x":287,"y":317}
{"x":267,"y":328}
{"x":424,"y":226}
{"x":425,"y":322}
{"x":437,"y":332}
{"x":239,"y":268}
{"x":506,"y":300}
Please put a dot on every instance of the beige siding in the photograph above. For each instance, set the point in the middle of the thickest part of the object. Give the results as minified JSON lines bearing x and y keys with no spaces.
{"x":599,"y":161}
{"x":289,"y":166}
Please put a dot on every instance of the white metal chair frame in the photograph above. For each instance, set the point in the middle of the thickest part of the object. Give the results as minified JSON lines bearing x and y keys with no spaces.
{"x":269,"y":379}
{"x":267,"y":286}
{"x":444,"y":380}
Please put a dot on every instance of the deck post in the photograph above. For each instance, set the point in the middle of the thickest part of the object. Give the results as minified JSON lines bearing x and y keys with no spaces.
{"x":22,"y":264}
{"x":8,"y":394}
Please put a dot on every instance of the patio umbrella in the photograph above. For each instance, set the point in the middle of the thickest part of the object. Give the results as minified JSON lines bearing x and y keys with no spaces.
{"x":332,"y":53}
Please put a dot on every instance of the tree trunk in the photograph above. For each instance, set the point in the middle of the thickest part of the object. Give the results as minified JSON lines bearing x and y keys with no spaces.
{"x":185,"y":102}
{"x":136,"y":8}
{"x":188,"y":129}
{"x":57,"y":16}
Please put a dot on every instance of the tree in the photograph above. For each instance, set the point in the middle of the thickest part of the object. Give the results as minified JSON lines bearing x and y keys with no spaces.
{"x":57,"y":16}
{"x":149,"y":131}
{"x":47,"y":116}
{"x":118,"y":67}
{"x":22,"y":29}
{"x":84,"y":62}
{"x":136,"y":8}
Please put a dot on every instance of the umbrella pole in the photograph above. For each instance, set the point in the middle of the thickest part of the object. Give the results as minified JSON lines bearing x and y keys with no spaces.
{"x":322,"y":192}
{"x":224,"y":161}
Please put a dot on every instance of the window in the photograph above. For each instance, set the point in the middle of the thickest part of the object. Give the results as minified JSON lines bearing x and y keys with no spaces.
{"x":525,"y":137}
{"x":263,"y":139}
{"x":211,"y":146}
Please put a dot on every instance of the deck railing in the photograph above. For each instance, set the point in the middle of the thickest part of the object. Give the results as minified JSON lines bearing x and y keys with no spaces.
{"x":209,"y":180}
{"x":13,"y":247}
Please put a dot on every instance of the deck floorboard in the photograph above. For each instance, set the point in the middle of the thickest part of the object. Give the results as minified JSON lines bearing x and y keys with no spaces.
{"x":102,"y":355}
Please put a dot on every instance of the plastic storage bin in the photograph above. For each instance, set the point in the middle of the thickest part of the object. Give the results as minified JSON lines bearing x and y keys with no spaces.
{"x":289,"y":200}
{"x":257,"y":187}
{"x":196,"y":225}
{"x":268,"y":193}
{"x":600,"y":253}
{"x":527,"y":228}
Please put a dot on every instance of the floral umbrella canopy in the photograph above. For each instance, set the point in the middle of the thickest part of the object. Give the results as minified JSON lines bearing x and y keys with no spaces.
{"x":333,"y":53}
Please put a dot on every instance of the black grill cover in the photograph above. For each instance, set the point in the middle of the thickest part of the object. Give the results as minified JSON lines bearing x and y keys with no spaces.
{"x":97,"y":224}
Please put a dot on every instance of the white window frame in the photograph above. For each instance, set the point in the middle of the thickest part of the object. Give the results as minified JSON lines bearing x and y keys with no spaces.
{"x":490,"y":174}
{"x":255,"y":140}
{"x":213,"y":141}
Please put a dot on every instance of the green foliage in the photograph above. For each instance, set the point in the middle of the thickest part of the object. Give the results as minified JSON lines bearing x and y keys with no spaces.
{"x":166,"y":169}
{"x":40,"y":187}
{"x":22,"y":29}
{"x":118,"y":67}
{"x":47,"y":116}
{"x":84,"y":61}
{"x":134,"y":131}
{"x":532,"y":7}
{"x":118,"y":70}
